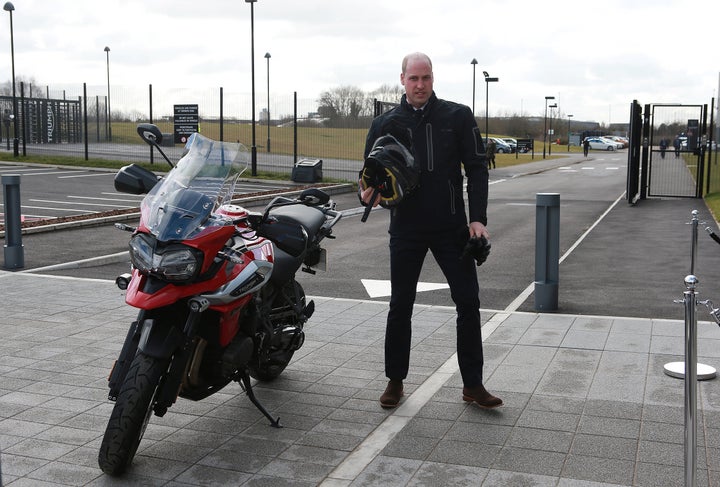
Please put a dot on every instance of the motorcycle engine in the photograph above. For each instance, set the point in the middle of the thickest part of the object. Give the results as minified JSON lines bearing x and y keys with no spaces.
{"x":288,"y":338}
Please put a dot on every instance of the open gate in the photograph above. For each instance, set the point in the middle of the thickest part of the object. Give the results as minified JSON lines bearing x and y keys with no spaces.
{"x":669,"y":147}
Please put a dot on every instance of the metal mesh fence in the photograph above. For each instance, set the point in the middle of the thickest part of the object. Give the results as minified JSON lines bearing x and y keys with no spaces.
{"x":83,"y":121}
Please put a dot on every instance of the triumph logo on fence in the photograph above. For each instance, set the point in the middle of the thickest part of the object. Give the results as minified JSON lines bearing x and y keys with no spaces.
{"x":50,"y":123}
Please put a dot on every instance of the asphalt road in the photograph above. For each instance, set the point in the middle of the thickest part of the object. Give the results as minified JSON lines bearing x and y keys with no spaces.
{"x":616,"y":259}
{"x":51,"y":192}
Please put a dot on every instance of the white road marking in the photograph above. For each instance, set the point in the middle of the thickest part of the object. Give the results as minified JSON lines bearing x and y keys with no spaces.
{"x":88,"y":175}
{"x":378,"y":288}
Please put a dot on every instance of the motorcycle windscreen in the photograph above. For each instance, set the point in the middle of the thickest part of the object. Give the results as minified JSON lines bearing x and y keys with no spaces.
{"x":184,"y":201}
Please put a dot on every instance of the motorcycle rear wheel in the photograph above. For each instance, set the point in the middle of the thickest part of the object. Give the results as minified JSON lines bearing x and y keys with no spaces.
{"x":131,"y":414}
{"x":271,"y":368}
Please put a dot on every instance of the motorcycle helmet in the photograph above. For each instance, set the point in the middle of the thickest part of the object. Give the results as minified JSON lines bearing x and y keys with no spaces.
{"x":390,"y":168}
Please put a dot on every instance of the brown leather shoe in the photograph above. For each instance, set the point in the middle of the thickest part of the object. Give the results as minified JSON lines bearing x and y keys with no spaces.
{"x":393,"y":392}
{"x":480,"y":396}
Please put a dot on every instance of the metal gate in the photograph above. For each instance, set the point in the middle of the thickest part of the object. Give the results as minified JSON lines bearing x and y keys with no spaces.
{"x":667,"y":151}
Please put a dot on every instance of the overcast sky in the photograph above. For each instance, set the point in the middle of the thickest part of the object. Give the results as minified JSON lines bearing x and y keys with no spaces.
{"x":595,"y":58}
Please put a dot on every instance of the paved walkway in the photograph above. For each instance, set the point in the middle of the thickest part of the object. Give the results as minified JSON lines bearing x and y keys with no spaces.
{"x":586,"y":402}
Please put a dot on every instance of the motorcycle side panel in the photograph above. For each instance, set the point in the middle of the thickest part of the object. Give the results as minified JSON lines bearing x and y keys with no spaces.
{"x":230,"y":319}
{"x":289,"y":236}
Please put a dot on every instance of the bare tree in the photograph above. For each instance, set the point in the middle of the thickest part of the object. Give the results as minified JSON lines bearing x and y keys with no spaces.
{"x":347,"y":103}
{"x":388,"y":93}
{"x":30,"y":87}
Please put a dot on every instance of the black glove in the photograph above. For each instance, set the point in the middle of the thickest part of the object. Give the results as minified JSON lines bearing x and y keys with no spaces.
{"x":478,"y":249}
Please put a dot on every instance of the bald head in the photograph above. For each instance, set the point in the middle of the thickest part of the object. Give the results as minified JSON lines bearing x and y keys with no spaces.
{"x":415,"y":57}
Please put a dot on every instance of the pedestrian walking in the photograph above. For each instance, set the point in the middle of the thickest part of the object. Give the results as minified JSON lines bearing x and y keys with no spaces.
{"x":490,"y":153}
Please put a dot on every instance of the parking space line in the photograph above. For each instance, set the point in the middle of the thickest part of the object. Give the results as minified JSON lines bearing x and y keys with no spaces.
{"x":101,"y":199}
{"x":92,"y":175}
{"x":77,"y":203}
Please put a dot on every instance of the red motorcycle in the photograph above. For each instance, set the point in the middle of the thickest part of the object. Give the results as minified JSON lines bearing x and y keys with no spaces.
{"x":215,"y":285}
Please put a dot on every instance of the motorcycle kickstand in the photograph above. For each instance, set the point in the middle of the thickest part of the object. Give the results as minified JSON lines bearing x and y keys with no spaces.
{"x":245,"y":378}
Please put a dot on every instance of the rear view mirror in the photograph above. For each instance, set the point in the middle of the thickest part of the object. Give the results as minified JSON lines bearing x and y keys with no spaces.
{"x":134,"y":179}
{"x":150,"y":133}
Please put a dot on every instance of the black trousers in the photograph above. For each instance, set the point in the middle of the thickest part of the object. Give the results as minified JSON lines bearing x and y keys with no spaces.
{"x":407,"y":254}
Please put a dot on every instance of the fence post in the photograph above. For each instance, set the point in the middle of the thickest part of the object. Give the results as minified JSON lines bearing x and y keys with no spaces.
{"x":547,"y":251}
{"x":14,"y":252}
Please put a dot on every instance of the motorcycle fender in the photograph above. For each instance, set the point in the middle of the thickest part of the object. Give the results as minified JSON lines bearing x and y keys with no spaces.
{"x":122,"y":364}
{"x":160,"y":340}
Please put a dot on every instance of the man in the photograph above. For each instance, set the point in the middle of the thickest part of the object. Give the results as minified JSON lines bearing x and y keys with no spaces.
{"x":491,"y":149}
{"x":445,"y":137}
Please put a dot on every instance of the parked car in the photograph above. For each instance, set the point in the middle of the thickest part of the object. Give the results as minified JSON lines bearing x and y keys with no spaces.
{"x":621,"y":141}
{"x":618,"y":145}
{"x":501,"y":147}
{"x":599,"y":143}
{"x":511,"y":142}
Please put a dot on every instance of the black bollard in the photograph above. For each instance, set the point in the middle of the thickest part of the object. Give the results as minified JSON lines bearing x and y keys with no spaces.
{"x":14,"y":252}
{"x":547,"y":251}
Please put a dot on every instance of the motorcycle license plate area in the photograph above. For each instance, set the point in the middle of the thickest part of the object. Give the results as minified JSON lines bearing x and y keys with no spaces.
{"x":322,"y":261}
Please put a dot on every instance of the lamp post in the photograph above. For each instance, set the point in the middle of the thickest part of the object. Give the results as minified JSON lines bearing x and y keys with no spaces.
{"x":474,"y":63}
{"x":267,"y":56}
{"x":488,"y":80}
{"x":554,"y":105}
{"x":9,"y":7}
{"x":253,"y":150}
{"x":569,"y":117}
{"x":109,"y":116}
{"x":545,"y":128}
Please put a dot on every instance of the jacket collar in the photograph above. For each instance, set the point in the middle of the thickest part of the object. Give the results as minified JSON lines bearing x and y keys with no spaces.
{"x":407,"y":106}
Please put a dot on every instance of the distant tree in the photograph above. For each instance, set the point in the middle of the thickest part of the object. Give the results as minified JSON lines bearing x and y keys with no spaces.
{"x":343,"y":105}
{"x":30,"y":87}
{"x":389,"y":93}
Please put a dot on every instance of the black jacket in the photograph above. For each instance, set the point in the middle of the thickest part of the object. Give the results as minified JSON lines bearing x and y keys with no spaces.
{"x":445,"y":139}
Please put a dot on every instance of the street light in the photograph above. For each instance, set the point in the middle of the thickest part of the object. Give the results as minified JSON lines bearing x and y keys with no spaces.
{"x":545,"y":128}
{"x":474,"y":63}
{"x":267,"y":56}
{"x":554,"y":105}
{"x":253,"y":151}
{"x":488,"y":80}
{"x":109,"y":116}
{"x":9,"y":7}
{"x":569,"y":117}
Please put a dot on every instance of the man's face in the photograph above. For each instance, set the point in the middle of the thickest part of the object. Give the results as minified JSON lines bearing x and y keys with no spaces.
{"x":418,"y":82}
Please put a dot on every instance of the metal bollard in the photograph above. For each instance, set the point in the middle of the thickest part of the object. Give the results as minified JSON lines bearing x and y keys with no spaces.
{"x":547,"y":251}
{"x":691,"y":378}
{"x":14,"y":252}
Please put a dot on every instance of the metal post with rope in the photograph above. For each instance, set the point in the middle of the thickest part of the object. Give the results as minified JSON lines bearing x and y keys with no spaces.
{"x":690,"y":370}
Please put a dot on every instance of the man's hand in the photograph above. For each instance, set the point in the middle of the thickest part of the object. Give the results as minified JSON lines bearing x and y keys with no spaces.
{"x":366,"y":195}
{"x":478,"y":230}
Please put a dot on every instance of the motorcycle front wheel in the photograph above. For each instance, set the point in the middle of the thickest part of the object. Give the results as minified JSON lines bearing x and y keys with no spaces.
{"x":131,"y":414}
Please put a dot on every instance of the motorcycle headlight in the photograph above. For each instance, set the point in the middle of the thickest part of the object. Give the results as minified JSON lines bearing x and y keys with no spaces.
{"x":174,"y":262}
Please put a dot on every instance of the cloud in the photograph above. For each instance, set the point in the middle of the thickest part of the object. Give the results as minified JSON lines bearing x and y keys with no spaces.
{"x":594,"y":58}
